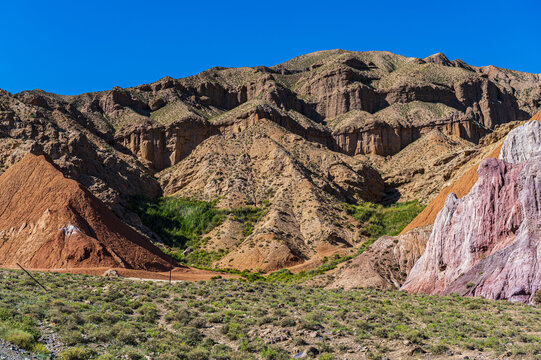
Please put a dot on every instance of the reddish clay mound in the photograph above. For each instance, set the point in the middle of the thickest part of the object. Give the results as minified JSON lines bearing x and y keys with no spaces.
{"x":50,"y":222}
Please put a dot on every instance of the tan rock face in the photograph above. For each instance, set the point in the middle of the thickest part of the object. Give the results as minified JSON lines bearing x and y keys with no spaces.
{"x":400,"y":100}
{"x":385,"y":264}
{"x":303,"y":184}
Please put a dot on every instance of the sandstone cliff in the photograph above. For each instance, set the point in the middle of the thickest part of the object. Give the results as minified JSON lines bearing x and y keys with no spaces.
{"x":371,"y":102}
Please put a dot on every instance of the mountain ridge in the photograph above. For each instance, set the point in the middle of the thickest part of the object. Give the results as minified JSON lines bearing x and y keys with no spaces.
{"x":337,"y":118}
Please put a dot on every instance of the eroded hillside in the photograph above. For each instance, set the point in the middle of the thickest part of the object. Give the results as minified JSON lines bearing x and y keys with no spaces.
{"x":302,"y":139}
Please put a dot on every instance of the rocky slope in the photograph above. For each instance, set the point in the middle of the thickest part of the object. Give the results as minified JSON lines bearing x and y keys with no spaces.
{"x":73,"y":143}
{"x":50,"y":222}
{"x":301,"y":184}
{"x":465,"y":176}
{"x":385,"y":264}
{"x":487,"y":243}
{"x":299,"y":138}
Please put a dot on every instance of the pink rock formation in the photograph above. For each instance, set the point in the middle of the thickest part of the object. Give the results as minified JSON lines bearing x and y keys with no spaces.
{"x":488,"y":243}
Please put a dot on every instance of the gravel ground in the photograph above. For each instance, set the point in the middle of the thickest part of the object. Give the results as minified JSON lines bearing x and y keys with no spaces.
{"x":12,"y":352}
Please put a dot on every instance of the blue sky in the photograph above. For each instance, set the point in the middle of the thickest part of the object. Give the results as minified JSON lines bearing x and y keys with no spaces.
{"x":71,"y":47}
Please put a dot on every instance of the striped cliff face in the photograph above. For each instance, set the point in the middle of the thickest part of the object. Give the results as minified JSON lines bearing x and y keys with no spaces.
{"x":486,"y":243}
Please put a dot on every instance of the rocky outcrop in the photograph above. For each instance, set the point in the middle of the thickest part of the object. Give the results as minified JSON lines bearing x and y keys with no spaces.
{"x":75,"y":149}
{"x":385,"y":264}
{"x":161,"y":146}
{"x":465,"y":175}
{"x":381,"y":138}
{"x":486,"y":243}
{"x":477,"y":108}
{"x":522,"y":143}
{"x":50,"y":222}
{"x":332,"y":85}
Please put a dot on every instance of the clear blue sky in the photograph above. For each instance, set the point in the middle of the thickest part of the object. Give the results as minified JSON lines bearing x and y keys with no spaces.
{"x":70,"y":47}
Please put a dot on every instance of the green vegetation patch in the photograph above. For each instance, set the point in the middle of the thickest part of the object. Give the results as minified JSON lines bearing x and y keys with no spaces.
{"x":377,"y":220}
{"x":21,"y":329}
{"x":180,"y":223}
{"x":115,"y":318}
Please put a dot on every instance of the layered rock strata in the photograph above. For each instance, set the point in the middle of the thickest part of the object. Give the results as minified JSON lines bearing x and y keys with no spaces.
{"x":50,"y":222}
{"x":487,"y":243}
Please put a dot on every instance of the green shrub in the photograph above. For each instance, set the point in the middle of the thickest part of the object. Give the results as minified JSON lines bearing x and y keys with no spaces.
{"x":21,"y":338}
{"x":537,"y":297}
{"x":40,"y":349}
{"x":76,"y":353}
{"x":191,"y":336}
{"x":198,"y":354}
{"x":274,"y":353}
{"x":377,"y":220}
{"x":439,"y":349}
{"x":416,"y":336}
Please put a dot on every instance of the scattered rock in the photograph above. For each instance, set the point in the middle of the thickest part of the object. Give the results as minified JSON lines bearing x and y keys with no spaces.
{"x":306,"y":353}
{"x":112,"y":273}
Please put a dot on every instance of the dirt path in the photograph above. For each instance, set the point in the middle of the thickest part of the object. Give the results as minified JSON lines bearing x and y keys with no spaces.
{"x":180,"y":273}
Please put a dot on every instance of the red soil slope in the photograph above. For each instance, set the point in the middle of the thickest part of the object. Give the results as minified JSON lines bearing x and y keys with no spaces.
{"x":50,"y":222}
{"x":461,"y":188}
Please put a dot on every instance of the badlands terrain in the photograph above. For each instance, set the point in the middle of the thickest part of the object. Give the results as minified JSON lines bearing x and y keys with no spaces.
{"x":309,"y":192}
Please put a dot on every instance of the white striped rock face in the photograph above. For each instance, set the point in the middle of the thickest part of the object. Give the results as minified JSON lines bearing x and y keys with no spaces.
{"x":521,"y":143}
{"x":488,"y":243}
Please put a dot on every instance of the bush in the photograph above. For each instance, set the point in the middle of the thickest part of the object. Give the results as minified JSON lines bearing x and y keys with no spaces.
{"x":439,"y":349}
{"x":416,"y":336}
{"x":287,"y":322}
{"x":198,"y":354}
{"x":191,"y":336}
{"x":326,"y":357}
{"x":76,"y":353}
{"x":40,"y":349}
{"x":537,"y":297}
{"x":274,"y":353}
{"x":21,"y":338}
